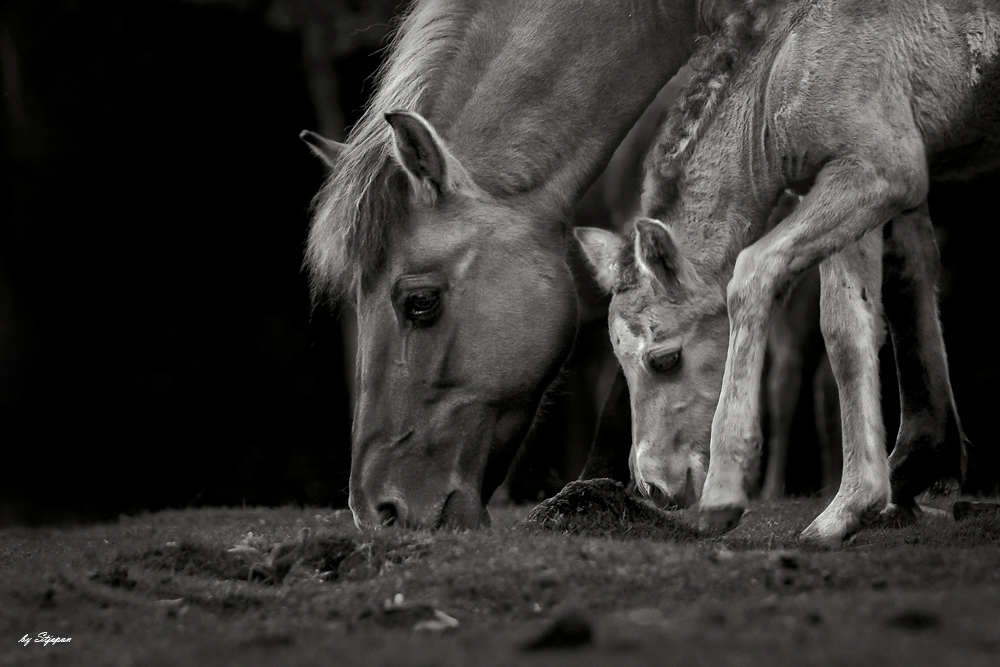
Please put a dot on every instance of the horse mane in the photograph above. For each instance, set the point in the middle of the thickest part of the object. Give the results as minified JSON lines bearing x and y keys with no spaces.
{"x":715,"y":63}
{"x":366,"y":194}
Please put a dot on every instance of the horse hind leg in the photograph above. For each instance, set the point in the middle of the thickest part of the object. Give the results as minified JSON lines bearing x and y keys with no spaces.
{"x":930,"y":444}
{"x":826,"y":408}
{"x":784,"y":380}
{"x":790,"y":343}
{"x":784,"y":364}
{"x":853,"y":328}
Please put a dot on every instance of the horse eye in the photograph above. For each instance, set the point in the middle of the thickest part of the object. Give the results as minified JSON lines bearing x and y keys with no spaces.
{"x":663,"y":362}
{"x":422,"y":307}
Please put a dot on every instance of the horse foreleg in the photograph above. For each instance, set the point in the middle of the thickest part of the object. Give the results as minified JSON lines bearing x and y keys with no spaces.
{"x":930,"y":444}
{"x":854,"y":330}
{"x":850,"y":198}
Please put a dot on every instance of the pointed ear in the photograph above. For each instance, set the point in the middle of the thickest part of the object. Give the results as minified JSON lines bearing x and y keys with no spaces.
{"x":657,"y":254}
{"x":422,"y":152}
{"x":325,"y":149}
{"x":601,"y":249}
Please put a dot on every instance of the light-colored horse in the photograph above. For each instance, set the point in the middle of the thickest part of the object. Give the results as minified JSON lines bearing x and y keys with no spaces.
{"x":444,"y":220}
{"x":796,"y":359}
{"x":856,"y":106}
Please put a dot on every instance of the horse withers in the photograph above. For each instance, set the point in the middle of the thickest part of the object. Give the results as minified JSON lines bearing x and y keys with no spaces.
{"x":855,"y":106}
{"x":444,"y":220}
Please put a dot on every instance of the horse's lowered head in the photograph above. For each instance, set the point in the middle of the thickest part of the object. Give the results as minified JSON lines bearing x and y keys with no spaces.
{"x":669,"y":330}
{"x":466,"y":311}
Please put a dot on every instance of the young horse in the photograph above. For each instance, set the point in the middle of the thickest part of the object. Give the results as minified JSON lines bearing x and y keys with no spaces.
{"x":795,"y":355}
{"x":856,"y":106}
{"x":443,"y":218}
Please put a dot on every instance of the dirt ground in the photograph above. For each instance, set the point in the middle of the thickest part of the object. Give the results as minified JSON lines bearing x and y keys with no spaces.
{"x":165,"y":589}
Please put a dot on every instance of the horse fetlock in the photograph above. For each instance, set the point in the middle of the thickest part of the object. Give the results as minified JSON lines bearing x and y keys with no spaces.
{"x":917,"y":463}
{"x":899,"y":516}
{"x":722,"y":493}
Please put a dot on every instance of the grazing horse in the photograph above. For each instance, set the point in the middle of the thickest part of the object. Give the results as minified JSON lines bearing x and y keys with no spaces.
{"x":856,"y":106}
{"x":444,"y":217}
{"x":795,"y":354}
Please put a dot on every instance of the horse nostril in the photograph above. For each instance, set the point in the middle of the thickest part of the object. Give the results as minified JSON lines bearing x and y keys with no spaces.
{"x":389,"y":513}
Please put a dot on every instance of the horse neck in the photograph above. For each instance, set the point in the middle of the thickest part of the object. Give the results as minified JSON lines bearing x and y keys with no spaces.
{"x":732,"y":183}
{"x":536,"y":103}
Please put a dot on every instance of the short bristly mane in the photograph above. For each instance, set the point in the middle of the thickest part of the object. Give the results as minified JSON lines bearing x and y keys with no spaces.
{"x":366,"y":194}
{"x":716,"y":61}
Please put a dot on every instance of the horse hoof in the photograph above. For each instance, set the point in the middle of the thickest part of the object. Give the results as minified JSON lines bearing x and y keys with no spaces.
{"x":717,"y":520}
{"x":834,"y":526}
{"x":898,"y":516}
{"x":816,"y":537}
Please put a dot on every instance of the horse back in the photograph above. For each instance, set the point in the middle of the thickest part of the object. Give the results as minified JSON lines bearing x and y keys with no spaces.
{"x":937,"y":60}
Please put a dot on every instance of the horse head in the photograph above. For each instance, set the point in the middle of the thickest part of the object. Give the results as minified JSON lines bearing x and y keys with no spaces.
{"x":669,"y":330}
{"x":461,"y":328}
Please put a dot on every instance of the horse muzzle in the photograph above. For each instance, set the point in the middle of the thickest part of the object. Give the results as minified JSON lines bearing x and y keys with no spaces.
{"x":458,"y":508}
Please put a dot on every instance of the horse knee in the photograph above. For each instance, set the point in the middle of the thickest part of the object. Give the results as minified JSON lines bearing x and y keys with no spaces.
{"x":752,"y":284}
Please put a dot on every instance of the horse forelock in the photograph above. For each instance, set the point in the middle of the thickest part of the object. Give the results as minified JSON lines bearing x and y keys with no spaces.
{"x":366,"y":194}
{"x":717,"y":59}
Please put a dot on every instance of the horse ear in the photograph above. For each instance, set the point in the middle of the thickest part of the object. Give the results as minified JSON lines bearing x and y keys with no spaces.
{"x":325,"y":149}
{"x":601,"y":249}
{"x":424,"y":155}
{"x":657,"y":254}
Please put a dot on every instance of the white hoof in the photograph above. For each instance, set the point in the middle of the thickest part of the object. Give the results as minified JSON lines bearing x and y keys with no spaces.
{"x":841,"y":519}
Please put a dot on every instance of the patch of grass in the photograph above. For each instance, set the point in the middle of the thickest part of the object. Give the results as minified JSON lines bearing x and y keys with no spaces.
{"x":188,"y":557}
{"x":163,"y":589}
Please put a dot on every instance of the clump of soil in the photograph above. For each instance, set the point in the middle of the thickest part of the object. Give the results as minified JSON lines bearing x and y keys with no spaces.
{"x":568,"y":630}
{"x":335,"y":557}
{"x":116,"y":577}
{"x":190,"y":558}
{"x":604,"y":508}
{"x":353,"y":560}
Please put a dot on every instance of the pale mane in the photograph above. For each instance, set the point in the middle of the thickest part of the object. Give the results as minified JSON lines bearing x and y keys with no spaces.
{"x":365,"y":195}
{"x":716,"y":62}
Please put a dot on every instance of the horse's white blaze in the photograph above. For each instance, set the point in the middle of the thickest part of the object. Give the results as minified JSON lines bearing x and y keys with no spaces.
{"x":626,"y":343}
{"x":465,"y":263}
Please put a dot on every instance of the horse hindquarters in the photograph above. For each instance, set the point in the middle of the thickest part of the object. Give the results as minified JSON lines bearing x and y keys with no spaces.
{"x":930,"y":444}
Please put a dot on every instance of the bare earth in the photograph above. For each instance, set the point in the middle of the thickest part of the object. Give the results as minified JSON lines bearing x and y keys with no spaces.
{"x":163,"y":589}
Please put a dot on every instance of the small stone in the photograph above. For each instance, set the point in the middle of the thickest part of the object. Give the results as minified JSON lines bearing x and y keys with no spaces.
{"x":568,"y":630}
{"x":439,"y":623}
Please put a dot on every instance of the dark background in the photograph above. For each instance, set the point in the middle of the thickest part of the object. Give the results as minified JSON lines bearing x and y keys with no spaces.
{"x":157,"y":343}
